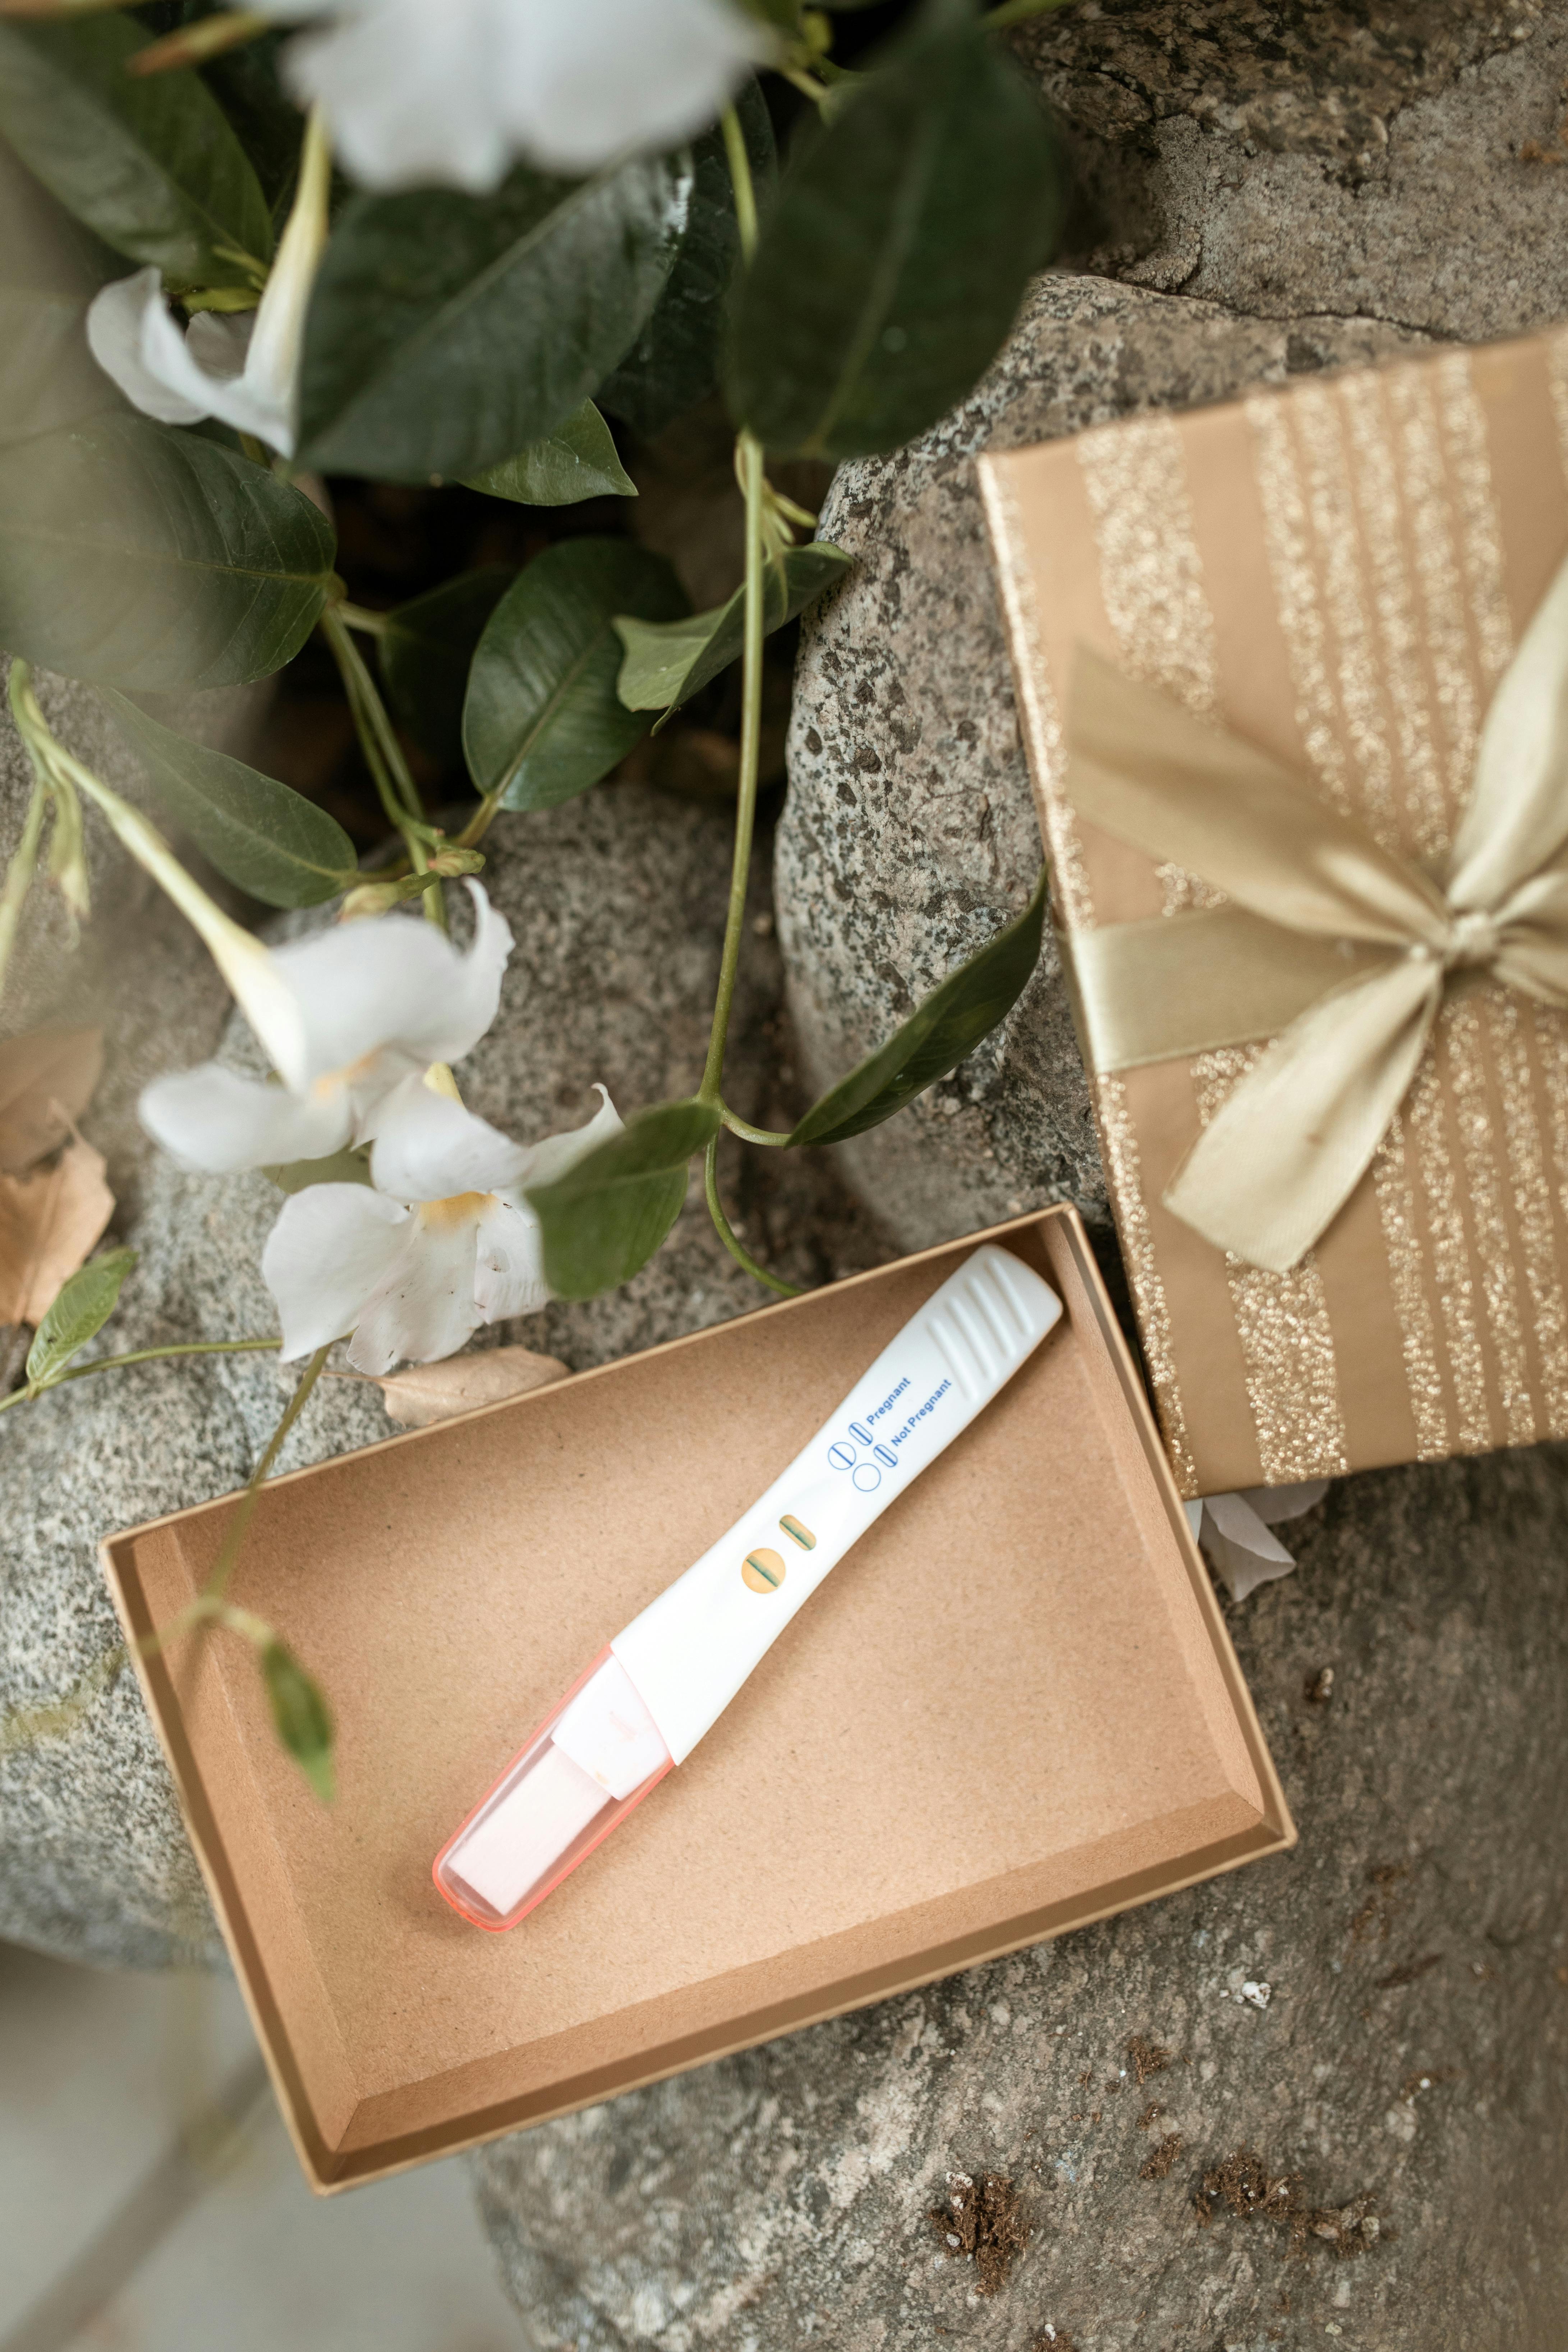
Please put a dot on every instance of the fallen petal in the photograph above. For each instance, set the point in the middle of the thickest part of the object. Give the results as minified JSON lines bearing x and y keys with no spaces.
{"x":47,"y":1080}
{"x":48,"y":1226}
{"x":432,"y":1393}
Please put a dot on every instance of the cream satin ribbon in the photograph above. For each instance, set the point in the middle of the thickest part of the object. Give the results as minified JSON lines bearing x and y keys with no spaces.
{"x":1335,"y":947}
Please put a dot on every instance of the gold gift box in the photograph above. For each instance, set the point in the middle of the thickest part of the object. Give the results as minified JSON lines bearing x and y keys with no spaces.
{"x":1339,"y":572}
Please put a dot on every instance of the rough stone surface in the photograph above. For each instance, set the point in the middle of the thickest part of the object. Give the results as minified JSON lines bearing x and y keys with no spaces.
{"x":909,"y":832}
{"x":1380,"y":161}
{"x":1410,"y":2053}
{"x":618,"y":905}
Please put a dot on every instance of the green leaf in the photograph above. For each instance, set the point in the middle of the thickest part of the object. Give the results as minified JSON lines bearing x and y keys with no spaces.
{"x":263,"y":837}
{"x":674,"y":362}
{"x":149,"y":161}
{"x":50,"y":268}
{"x":542,"y":720}
{"x":606,"y":1216}
{"x":666,"y":661}
{"x":154,"y":561}
{"x":577,"y":461}
{"x":425,"y":652}
{"x":892,"y":266}
{"x":81,"y":1308}
{"x":346,"y":1167}
{"x":301,"y":1716}
{"x":937,"y":1034}
{"x":448,"y":332}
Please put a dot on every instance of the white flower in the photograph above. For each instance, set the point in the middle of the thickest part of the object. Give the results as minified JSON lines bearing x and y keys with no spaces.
{"x":412,"y":1277}
{"x":454,"y":90}
{"x":350,"y":1015}
{"x":237,"y":365}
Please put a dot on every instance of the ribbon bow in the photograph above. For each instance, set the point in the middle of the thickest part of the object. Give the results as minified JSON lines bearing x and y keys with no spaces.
{"x":1337,"y":949}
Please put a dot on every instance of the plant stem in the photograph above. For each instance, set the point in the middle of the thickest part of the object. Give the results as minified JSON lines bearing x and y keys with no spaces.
{"x":228,"y":1554}
{"x":808,"y":84}
{"x":726,"y":1233}
{"x":369,"y":625}
{"x":362,"y":689}
{"x":383,"y":751}
{"x":19,"y":874}
{"x":480,"y":823}
{"x":751,"y":751}
{"x":748,"y":1133}
{"x":740,"y":165}
{"x":139,"y":1356}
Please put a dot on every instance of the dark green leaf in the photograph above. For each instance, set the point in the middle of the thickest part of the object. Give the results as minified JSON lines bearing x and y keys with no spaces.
{"x":50,"y":267}
{"x":606,"y":1216}
{"x":300,"y":1713}
{"x":149,"y":161}
{"x":448,"y":332}
{"x":577,"y":461}
{"x":81,"y":1308}
{"x":152,"y":559}
{"x":266,"y":838}
{"x":674,"y":362}
{"x":937,"y":1034}
{"x":247,"y":85}
{"x":893,"y":265}
{"x":346,"y":1167}
{"x":666,"y":661}
{"x":425,"y":652}
{"x":542,"y":720}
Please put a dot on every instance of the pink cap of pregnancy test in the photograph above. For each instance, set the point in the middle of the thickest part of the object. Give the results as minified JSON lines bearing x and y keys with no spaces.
{"x":596,"y":1754}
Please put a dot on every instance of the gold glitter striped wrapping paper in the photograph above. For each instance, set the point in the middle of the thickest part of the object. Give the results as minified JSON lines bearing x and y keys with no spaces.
{"x":1339,"y":570}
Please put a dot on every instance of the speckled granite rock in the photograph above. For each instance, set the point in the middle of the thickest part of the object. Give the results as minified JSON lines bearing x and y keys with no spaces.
{"x":1377,"y":160}
{"x":1409,"y":2063}
{"x":909,"y":832}
{"x":617,"y":904}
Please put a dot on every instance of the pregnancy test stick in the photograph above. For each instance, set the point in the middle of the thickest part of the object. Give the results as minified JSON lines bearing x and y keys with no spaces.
{"x":643,"y":1704}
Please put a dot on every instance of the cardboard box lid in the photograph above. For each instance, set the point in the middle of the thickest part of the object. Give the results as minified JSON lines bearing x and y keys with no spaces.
{"x":1013,"y":1710}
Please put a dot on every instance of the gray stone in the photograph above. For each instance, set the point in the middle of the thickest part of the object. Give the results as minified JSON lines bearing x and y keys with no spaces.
{"x":1409,"y":2062}
{"x":1392,"y":163}
{"x":909,"y":832}
{"x":618,"y":905}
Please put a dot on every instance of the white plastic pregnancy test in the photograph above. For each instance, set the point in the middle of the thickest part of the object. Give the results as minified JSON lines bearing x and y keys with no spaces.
{"x":643,"y":1703}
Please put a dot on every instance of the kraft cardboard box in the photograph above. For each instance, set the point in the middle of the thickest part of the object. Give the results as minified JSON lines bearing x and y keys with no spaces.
{"x":1013,"y":1709}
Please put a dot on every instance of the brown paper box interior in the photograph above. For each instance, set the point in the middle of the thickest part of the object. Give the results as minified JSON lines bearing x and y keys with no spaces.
{"x":1013,"y":1709}
{"x":1339,"y":572}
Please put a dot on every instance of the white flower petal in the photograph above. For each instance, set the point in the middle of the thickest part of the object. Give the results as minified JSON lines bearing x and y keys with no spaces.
{"x":334,"y":1247}
{"x":556,"y":1153}
{"x":219,"y":342}
{"x":212,"y":1118}
{"x":427,"y":1146}
{"x":609,"y":75}
{"x":509,"y":1274}
{"x":425,"y":1308}
{"x":222,"y":348}
{"x":411,"y":91}
{"x":415,"y":92}
{"x":136,"y":343}
{"x":394,"y":985}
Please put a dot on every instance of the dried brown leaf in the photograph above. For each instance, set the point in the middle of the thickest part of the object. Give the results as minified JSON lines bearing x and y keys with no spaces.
{"x":431,"y":1393}
{"x":47,"y":1080}
{"x":49,"y":1225}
